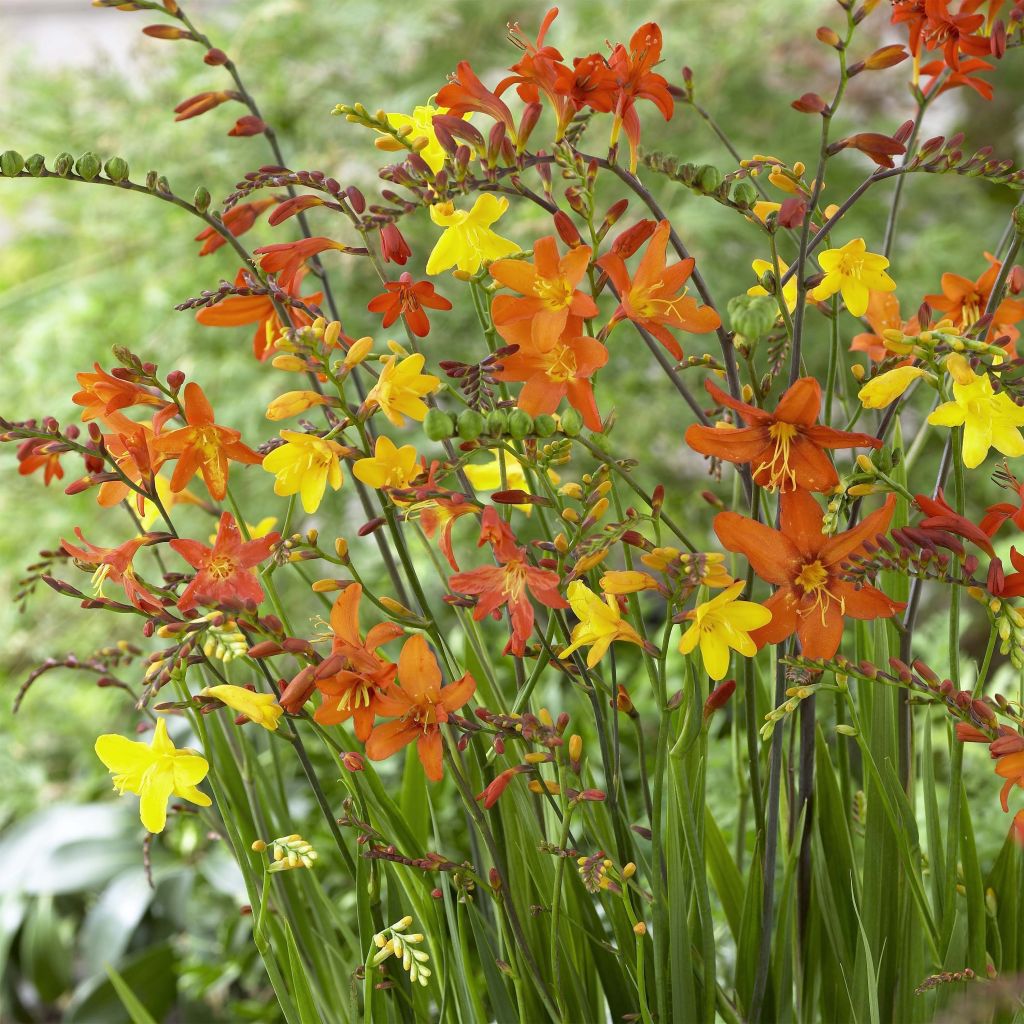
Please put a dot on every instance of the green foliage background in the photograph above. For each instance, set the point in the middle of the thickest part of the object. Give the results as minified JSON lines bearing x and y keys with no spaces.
{"x":83,"y":268}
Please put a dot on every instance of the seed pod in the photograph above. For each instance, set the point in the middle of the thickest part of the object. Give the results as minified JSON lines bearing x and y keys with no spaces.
{"x":520,"y":424}
{"x":572,"y":423}
{"x":544,"y":426}
{"x":744,"y":193}
{"x":63,"y":163}
{"x":12,"y":163}
{"x":438,"y":425}
{"x":201,"y":200}
{"x":35,"y":164}
{"x":471,"y":424}
{"x":709,"y":178}
{"x":87,"y":166}
{"x":116,"y":169}
{"x":497,"y":422}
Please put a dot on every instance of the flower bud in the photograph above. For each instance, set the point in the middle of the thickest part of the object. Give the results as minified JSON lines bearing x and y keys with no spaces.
{"x":116,"y":169}
{"x":87,"y":166}
{"x":201,"y":200}
{"x":12,"y":163}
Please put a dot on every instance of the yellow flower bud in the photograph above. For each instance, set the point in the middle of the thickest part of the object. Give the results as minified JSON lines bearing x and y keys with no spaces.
{"x":289,"y":363}
{"x":291,"y":403}
{"x":884,"y":389}
{"x":358,"y":351}
{"x":627,"y":582}
{"x":397,"y":608}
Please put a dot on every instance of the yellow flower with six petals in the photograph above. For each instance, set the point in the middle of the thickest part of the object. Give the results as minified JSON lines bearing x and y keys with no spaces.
{"x":723,"y":624}
{"x":600,"y":625}
{"x":390,"y":466}
{"x":305,"y":465}
{"x":855,"y":273}
{"x":468,"y":241}
{"x":400,"y":389}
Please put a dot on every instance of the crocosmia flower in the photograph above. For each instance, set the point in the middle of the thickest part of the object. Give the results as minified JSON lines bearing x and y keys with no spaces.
{"x":855,"y":273}
{"x":305,"y":464}
{"x":261,"y":708}
{"x":600,"y":625}
{"x":400,"y":389}
{"x":721,"y":625}
{"x":468,"y":241}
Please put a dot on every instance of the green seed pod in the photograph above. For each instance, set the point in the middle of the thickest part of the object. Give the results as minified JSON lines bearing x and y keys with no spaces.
{"x":438,"y":425}
{"x":497,"y":422}
{"x":709,"y":178}
{"x":151,"y":180}
{"x":63,"y":163}
{"x":201,"y":200}
{"x":470,"y":425}
{"x":88,"y":166}
{"x":163,"y":185}
{"x":35,"y":164}
{"x":520,"y":424}
{"x":12,"y":163}
{"x":544,"y":426}
{"x":116,"y":169}
{"x":744,"y":193}
{"x":572,"y":423}
{"x":753,"y":316}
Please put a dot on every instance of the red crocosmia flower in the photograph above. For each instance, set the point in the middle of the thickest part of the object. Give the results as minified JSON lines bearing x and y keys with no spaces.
{"x":805,"y":565}
{"x":935,"y":70}
{"x":115,"y":564}
{"x":510,"y":583}
{"x":393,"y":246}
{"x":1008,"y":751}
{"x":551,"y":374}
{"x":548,"y":287}
{"x":203,"y":447}
{"x":351,"y":692}
{"x":408,"y":299}
{"x":103,"y":395}
{"x":954,"y":34}
{"x":590,"y":83}
{"x":963,"y":301}
{"x":996,"y":515}
{"x":33,"y":455}
{"x":224,"y":576}
{"x":437,"y":515}
{"x":785,"y":448}
{"x":286,"y":258}
{"x":419,"y":705}
{"x":883,"y":315}
{"x":290,"y":207}
{"x":940,"y":515}
{"x":237,"y":220}
{"x":656,"y":297}
{"x":237,"y":310}
{"x":1013,"y":584}
{"x":637,"y":81}
{"x":466,"y":94}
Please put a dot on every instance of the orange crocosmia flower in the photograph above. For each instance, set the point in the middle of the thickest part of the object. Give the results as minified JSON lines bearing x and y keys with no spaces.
{"x":999,"y":513}
{"x":785,"y":448}
{"x":137,"y":456}
{"x":883,"y":315}
{"x":237,"y":220}
{"x":115,"y":564}
{"x":963,"y":301}
{"x":656,"y":297}
{"x":589,"y":83}
{"x":33,"y":455}
{"x":409,"y":300}
{"x":203,"y":447}
{"x":437,"y":515}
{"x":551,"y":374}
{"x":508,"y":584}
{"x":104,"y":394}
{"x":351,"y":692}
{"x":419,"y":705}
{"x":286,"y":258}
{"x":805,"y":565}
{"x":1008,"y":750}
{"x":238,"y":310}
{"x":548,"y":287}
{"x":224,"y":576}
{"x":466,"y":94}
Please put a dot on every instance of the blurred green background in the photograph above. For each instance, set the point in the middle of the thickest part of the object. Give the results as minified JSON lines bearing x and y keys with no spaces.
{"x":83,"y":268}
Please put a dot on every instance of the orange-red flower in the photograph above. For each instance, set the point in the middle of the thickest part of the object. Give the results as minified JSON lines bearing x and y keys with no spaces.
{"x":548,"y":290}
{"x":963,"y":301}
{"x":237,"y":310}
{"x":115,"y":564}
{"x":408,"y":299}
{"x":103,"y":395}
{"x":237,"y":220}
{"x":1008,"y":751}
{"x":883,"y":315}
{"x":286,"y":258}
{"x":203,"y":447}
{"x":805,"y":565}
{"x":509,"y":583}
{"x":138,"y":458}
{"x":590,"y":83}
{"x":466,"y":94}
{"x":656,"y":297}
{"x":419,"y":705}
{"x":351,"y":692}
{"x":224,"y":576}
{"x":34,"y":455}
{"x":785,"y":448}
{"x":999,"y":513}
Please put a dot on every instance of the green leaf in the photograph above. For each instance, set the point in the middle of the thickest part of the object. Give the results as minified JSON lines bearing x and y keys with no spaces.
{"x":136,"y":1010}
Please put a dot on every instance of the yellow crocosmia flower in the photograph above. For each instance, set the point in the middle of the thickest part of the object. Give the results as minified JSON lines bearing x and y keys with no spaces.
{"x":421,"y":126}
{"x":261,"y":708}
{"x":291,"y":403}
{"x":855,"y":273}
{"x":600,"y":625}
{"x":884,"y":389}
{"x":305,"y":464}
{"x":788,"y":289}
{"x":154,"y":771}
{"x":763,"y":208}
{"x":723,"y":624}
{"x":400,"y":389}
{"x":989,"y":420}
{"x":260,"y":529}
{"x":468,"y":240}
{"x":390,"y":466}
{"x":151,"y":514}
{"x":627,"y":581}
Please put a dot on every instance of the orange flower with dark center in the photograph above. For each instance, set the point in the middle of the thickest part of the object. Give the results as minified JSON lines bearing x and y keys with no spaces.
{"x":812,"y":598}
{"x":408,"y":299}
{"x":351,"y":692}
{"x":224,"y":576}
{"x":508,"y":584}
{"x":237,"y":220}
{"x":203,"y":447}
{"x":963,"y":301}
{"x":548,"y":287}
{"x":786,"y":448}
{"x":656,"y":297}
{"x":419,"y":706}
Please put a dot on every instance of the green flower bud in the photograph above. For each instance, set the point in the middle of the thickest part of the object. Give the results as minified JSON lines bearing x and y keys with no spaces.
{"x":520,"y":424}
{"x":117,"y":169}
{"x":12,"y":163}
{"x":709,"y":178}
{"x":163,"y":185}
{"x":438,"y":425}
{"x":744,"y":193}
{"x":201,"y":200}
{"x":497,"y":422}
{"x":753,"y":316}
{"x":151,"y":180}
{"x":470,"y":424}
{"x":35,"y":164}
{"x":63,"y":163}
{"x":572,"y":423}
{"x":544,"y":426}
{"x":87,"y":166}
